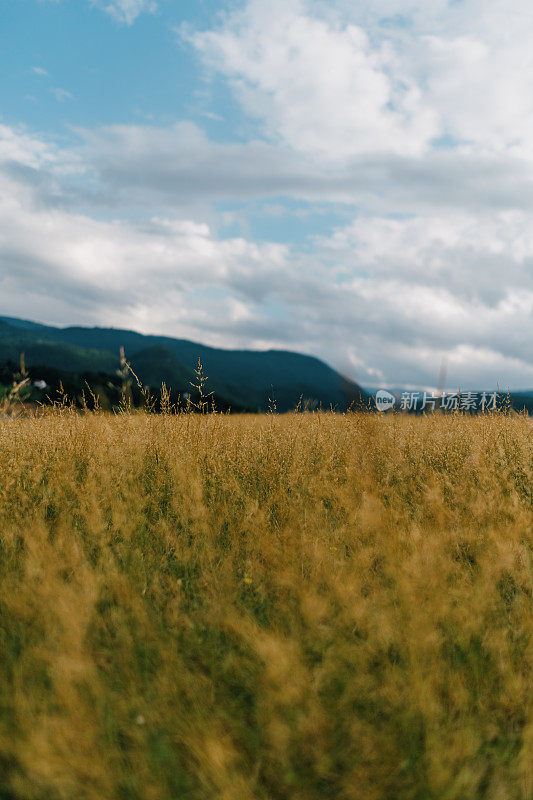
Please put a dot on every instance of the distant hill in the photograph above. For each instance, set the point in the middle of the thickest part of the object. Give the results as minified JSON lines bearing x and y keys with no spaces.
{"x":246,"y":378}
{"x":522,"y":401}
{"x":39,"y":349}
{"x":153,"y":365}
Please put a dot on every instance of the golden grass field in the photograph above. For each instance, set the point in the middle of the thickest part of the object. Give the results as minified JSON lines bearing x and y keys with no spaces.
{"x":266,"y":607}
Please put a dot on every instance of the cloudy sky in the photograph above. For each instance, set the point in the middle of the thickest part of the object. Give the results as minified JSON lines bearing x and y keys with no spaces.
{"x":343,"y":178}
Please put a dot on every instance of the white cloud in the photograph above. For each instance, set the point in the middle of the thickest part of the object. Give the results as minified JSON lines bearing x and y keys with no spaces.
{"x":57,"y":263}
{"x":61,"y":95}
{"x":39,"y":71}
{"x":126,"y":11}
{"x":379,"y":297}
{"x":349,"y":78}
{"x":178,"y":163}
{"x":320,"y":86}
{"x":445,"y":251}
{"x":17,"y":146}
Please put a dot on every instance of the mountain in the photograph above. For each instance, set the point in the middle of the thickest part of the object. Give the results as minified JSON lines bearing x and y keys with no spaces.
{"x":153,"y":365}
{"x":522,"y":401}
{"x":38,"y":349}
{"x":246,"y":378}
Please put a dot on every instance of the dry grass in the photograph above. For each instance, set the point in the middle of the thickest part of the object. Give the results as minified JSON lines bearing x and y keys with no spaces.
{"x":308,"y":606}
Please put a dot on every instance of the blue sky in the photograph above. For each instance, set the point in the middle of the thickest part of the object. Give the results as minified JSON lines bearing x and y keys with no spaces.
{"x":347,"y":179}
{"x":115,"y":72}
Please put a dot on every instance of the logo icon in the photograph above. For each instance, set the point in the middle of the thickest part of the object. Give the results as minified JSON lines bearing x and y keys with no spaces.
{"x":384,"y":400}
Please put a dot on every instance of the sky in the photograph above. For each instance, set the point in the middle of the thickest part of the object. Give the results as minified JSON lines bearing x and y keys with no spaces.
{"x":347,"y":179}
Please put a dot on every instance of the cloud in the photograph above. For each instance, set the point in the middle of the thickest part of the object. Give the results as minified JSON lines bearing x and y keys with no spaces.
{"x":61,"y":95}
{"x":343,"y":79}
{"x":39,"y":71}
{"x":19,"y":147}
{"x":380,"y":298}
{"x":319,"y":86}
{"x":443,"y":252}
{"x":177,"y":164}
{"x":126,"y":11}
{"x":54,"y":261}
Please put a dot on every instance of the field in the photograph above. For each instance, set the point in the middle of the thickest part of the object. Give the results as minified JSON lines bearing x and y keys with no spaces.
{"x":305,"y":606}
